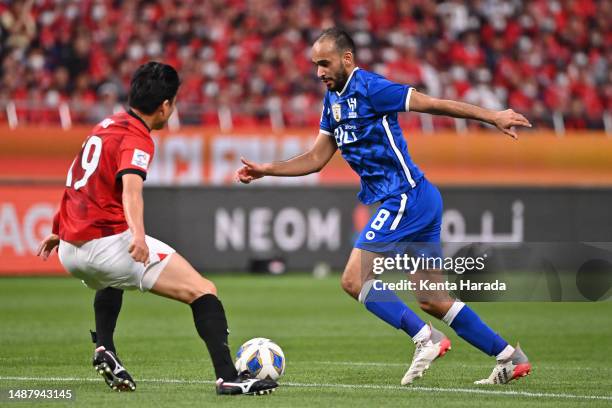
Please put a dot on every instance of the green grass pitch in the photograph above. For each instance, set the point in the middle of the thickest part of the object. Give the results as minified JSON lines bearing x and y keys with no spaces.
{"x":337,"y":353}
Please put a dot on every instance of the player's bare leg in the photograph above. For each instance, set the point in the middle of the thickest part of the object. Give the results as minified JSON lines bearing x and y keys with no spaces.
{"x":433,"y":302}
{"x":357,"y":271}
{"x":180,"y":281}
{"x":358,"y":280}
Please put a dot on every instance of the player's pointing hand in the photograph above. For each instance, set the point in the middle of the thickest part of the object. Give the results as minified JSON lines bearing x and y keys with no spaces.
{"x":507,"y":119}
{"x":250,"y":171}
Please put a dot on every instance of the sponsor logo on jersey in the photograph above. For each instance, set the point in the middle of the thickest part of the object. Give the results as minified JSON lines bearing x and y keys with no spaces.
{"x":337,"y":111}
{"x":352,"y":103}
{"x":141,"y":159}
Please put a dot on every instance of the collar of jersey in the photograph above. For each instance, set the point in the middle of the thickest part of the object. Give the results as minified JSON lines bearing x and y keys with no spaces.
{"x":134,"y":115}
{"x":347,"y":81}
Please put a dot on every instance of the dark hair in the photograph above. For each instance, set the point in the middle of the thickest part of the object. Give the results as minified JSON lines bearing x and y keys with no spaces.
{"x":341,"y":38}
{"x":151,"y":85}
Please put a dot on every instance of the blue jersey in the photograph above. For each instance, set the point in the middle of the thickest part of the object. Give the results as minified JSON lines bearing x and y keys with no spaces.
{"x":363,"y":120}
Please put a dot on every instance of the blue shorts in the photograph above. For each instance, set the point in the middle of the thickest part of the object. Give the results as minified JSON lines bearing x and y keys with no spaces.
{"x":409,"y":220}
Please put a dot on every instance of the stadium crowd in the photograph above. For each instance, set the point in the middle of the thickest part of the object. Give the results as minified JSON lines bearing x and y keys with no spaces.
{"x":545,"y":58}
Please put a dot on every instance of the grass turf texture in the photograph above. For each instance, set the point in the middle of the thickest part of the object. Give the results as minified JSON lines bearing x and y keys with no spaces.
{"x":337,"y":353}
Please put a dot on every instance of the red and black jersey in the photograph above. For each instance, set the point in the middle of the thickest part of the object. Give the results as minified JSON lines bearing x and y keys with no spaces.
{"x":92,"y":206}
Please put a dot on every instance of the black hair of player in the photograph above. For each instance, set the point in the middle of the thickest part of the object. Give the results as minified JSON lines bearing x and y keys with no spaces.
{"x":152,"y":84}
{"x":341,"y":38}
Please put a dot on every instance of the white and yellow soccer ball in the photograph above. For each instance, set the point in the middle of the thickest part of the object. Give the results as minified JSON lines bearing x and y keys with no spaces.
{"x":262,"y":358}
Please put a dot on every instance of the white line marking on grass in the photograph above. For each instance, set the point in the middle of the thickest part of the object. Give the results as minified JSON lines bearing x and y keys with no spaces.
{"x":345,"y":386}
{"x":407,"y":363}
{"x":456,"y":390}
{"x":356,"y":363}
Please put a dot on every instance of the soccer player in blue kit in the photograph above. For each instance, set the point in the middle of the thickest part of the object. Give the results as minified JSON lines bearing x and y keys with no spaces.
{"x":360,"y":118}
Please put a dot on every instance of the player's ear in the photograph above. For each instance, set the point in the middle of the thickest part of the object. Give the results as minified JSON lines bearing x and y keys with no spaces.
{"x":348,"y":58}
{"x":166,"y":107}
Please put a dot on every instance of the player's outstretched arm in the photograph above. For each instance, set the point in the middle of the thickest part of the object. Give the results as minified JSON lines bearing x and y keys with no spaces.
{"x":133,"y":207}
{"x":503,"y":120}
{"x":310,"y":162}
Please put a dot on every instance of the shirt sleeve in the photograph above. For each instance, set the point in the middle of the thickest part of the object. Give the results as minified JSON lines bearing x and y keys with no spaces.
{"x":389,"y":97}
{"x":325,"y":127}
{"x":135,"y":155}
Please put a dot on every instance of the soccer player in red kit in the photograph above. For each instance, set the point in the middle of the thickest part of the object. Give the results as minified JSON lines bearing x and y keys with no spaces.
{"x":100,"y":237}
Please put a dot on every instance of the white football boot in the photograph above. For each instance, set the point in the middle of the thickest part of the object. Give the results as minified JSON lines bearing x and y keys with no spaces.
{"x":515,"y":367}
{"x":425,"y":353}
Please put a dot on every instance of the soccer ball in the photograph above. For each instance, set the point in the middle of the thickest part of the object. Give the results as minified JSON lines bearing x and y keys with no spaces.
{"x":262,"y":358}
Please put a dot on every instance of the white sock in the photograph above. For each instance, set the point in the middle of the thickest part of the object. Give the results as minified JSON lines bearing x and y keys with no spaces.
{"x":505,"y":353}
{"x":423,"y":334}
{"x":452,"y":312}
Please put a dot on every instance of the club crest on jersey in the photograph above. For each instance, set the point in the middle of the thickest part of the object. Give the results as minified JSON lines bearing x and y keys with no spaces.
{"x":337,"y":111}
{"x":141,"y":159}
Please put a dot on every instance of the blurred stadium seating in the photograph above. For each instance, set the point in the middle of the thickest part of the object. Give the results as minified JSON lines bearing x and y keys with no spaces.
{"x":247,"y":62}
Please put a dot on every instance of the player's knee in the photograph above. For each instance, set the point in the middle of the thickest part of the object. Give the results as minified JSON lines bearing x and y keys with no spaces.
{"x":351,"y":286}
{"x":198,"y":289}
{"x":209,"y":287}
